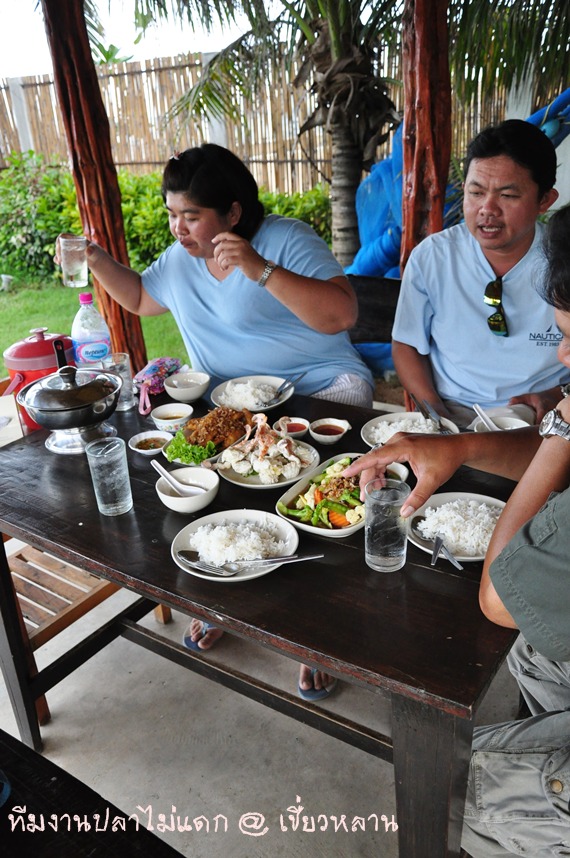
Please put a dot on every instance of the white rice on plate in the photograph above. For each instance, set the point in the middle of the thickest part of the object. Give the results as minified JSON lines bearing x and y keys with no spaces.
{"x":229,"y":542}
{"x":465,"y":525}
{"x":383,"y":430}
{"x":246,"y":394}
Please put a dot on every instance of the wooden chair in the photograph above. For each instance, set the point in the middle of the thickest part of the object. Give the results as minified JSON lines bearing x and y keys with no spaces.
{"x":377,"y":301}
{"x":51,"y":595}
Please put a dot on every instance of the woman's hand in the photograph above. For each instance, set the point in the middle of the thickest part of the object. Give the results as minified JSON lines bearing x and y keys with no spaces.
{"x":233,"y":251}
{"x":57,"y":257}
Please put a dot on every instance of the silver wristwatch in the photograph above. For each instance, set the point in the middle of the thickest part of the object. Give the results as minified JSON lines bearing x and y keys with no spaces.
{"x":269,"y":269}
{"x":554,"y":424}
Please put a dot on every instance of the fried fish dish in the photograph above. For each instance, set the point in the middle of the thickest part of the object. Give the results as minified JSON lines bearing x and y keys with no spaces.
{"x":223,"y":426}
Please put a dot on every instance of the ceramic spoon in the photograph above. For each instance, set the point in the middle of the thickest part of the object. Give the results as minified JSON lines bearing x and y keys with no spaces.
{"x":183,"y":489}
{"x":486,"y":419}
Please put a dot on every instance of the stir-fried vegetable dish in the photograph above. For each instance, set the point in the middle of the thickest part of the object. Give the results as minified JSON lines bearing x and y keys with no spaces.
{"x":330,"y":500}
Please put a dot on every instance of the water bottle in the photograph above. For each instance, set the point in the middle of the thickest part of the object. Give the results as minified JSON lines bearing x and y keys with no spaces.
{"x":89,"y":334}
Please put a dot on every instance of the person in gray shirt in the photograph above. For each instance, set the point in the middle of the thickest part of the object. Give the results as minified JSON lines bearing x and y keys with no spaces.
{"x":518,"y":797}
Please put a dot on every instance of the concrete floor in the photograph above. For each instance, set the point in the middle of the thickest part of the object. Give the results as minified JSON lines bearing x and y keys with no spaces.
{"x":156,"y":739}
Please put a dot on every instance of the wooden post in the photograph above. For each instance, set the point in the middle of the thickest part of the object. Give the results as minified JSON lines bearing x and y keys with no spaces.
{"x":89,"y":144}
{"x":427,"y":120}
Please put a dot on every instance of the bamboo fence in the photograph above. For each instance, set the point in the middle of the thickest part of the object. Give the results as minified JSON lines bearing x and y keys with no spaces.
{"x":138,"y":96}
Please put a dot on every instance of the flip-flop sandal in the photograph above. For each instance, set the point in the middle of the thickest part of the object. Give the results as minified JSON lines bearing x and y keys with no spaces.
{"x":193,"y":645}
{"x":313,"y":694}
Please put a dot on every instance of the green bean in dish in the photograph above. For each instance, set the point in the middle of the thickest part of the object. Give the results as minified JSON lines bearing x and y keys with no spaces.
{"x":329,"y":500}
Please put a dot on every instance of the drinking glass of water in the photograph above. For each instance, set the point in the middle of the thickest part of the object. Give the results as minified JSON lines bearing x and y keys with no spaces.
{"x":73,"y":261}
{"x":107,"y":459}
{"x":386,"y":532}
{"x":120,"y":363}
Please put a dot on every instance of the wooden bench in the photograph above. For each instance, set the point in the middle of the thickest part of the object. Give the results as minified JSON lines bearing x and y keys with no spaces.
{"x":51,"y":595}
{"x":50,"y":812}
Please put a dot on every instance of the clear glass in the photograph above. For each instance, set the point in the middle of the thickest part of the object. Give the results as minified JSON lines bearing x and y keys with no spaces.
{"x":107,"y":459}
{"x":386,"y":532}
{"x":120,"y":364}
{"x":73,"y":261}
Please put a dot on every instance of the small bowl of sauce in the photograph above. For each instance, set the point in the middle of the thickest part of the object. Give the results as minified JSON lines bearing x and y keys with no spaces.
{"x":328,"y":430}
{"x":171,"y":418}
{"x":292,"y":427}
{"x":150,"y":443}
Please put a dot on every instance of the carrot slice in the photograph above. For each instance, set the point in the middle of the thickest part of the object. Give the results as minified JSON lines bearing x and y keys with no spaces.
{"x":318,"y":495}
{"x":337,"y":519}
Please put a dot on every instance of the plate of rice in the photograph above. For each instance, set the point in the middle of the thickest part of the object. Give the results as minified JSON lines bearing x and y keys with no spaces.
{"x":251,"y":392}
{"x":466,"y":521}
{"x":237,"y":535}
{"x":380,"y":429}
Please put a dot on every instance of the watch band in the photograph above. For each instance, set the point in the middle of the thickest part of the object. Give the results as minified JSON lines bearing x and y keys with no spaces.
{"x":553,"y":423}
{"x":267,"y":271}
{"x":565,"y":389}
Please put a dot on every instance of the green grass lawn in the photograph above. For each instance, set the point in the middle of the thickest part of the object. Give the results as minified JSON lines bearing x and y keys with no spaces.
{"x":54,"y":307}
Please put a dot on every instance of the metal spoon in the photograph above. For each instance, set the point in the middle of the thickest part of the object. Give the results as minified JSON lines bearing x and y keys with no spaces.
{"x":185,"y":490}
{"x":226,"y":570}
{"x":486,"y":419}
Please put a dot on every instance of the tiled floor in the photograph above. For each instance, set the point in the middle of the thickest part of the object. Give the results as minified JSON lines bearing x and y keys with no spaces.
{"x":161,"y":742}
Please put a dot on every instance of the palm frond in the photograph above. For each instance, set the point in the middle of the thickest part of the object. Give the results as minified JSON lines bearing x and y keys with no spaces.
{"x":499,"y":42}
{"x":239,"y":68}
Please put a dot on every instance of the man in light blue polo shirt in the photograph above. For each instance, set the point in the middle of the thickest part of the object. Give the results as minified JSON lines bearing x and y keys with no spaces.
{"x":471,"y":326}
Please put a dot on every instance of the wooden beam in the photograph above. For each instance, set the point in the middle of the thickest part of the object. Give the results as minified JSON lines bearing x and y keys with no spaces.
{"x":427,"y":120}
{"x":89,"y":144}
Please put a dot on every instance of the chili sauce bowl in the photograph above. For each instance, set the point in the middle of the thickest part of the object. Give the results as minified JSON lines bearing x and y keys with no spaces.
{"x":328,"y":430}
{"x":295,"y":427}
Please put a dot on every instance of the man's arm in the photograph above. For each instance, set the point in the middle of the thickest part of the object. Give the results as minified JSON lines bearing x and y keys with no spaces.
{"x":548,"y":472}
{"x":415,"y":374}
{"x":542,"y":401}
{"x":435,"y":458}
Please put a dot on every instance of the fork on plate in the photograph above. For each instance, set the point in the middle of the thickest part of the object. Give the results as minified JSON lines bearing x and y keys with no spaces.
{"x":433,"y":415}
{"x":439,"y":547}
{"x":285,"y":385}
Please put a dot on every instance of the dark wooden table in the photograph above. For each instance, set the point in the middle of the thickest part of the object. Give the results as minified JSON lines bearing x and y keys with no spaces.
{"x":421,"y":640}
{"x":51,"y":814}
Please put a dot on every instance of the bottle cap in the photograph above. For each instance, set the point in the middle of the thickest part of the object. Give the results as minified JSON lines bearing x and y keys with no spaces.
{"x":85,"y":298}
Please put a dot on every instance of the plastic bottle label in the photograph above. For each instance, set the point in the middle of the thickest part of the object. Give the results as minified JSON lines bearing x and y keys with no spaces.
{"x":93,"y":352}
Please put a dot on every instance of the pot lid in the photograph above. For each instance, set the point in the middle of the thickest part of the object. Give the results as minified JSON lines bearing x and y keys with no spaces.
{"x":69,"y":388}
{"x":36,"y":351}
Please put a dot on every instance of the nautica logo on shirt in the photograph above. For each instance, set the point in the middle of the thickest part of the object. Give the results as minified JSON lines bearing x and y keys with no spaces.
{"x":550,"y":337}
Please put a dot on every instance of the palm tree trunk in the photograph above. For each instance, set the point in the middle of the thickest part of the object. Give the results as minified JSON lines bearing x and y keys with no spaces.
{"x":346,"y":176}
{"x":89,"y":143}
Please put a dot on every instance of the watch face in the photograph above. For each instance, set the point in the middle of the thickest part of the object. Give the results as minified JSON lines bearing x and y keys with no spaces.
{"x":547,"y":422}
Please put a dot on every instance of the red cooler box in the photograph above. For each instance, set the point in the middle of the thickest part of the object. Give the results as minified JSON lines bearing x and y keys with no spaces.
{"x":38,"y":355}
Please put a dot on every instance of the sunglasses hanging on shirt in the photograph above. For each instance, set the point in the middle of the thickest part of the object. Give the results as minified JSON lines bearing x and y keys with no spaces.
{"x":493,"y":296}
